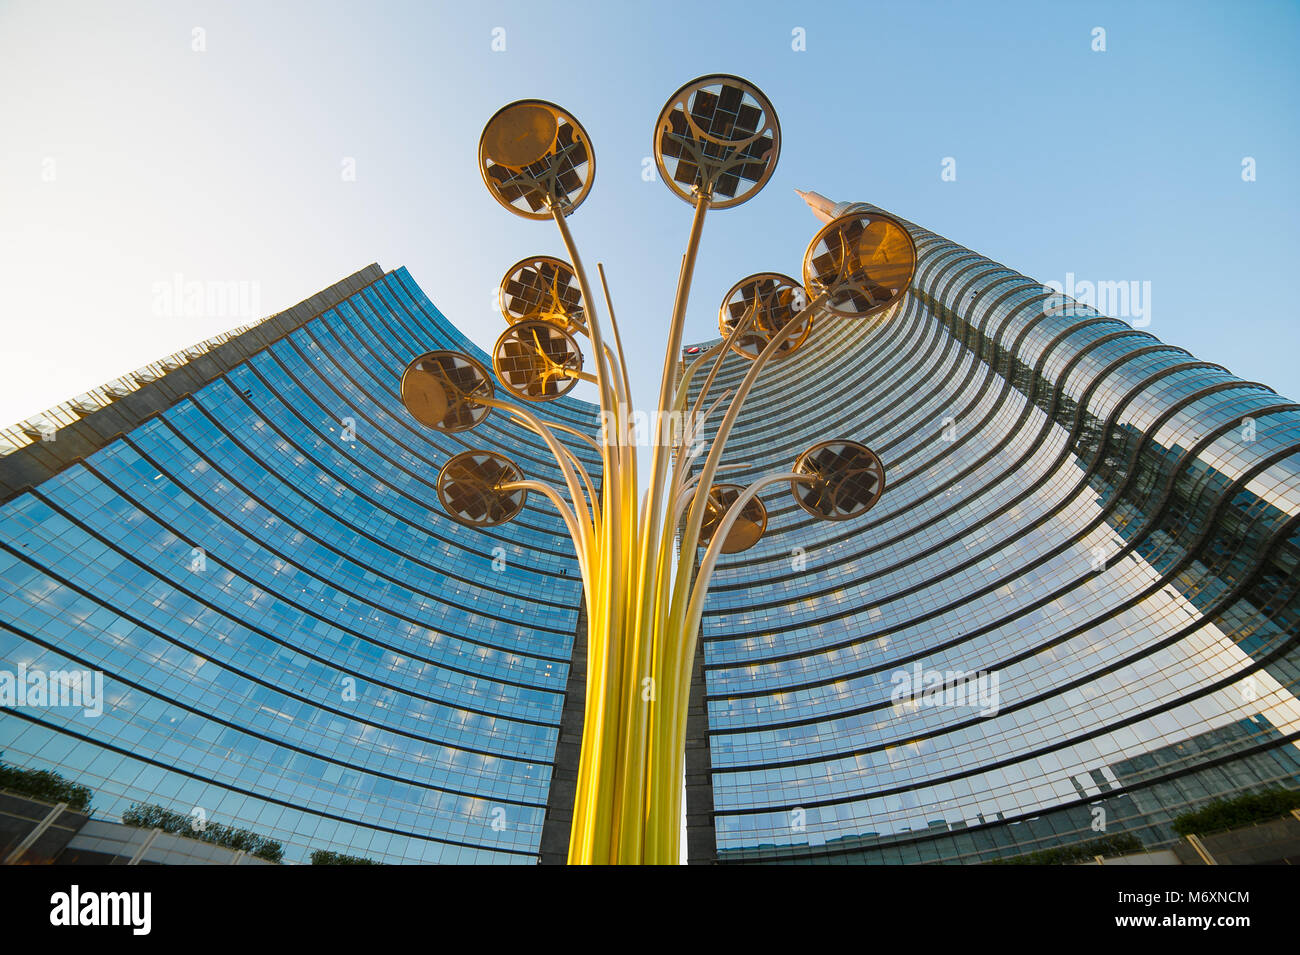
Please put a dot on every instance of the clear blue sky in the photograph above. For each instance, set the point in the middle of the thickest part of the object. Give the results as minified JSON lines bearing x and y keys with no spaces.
{"x":225,"y":165}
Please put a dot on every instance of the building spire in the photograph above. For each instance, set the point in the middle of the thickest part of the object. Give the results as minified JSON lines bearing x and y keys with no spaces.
{"x":822,"y":208}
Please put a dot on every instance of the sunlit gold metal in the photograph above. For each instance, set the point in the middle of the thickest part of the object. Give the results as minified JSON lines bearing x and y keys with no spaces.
{"x":441,"y":389}
{"x":843,"y":480}
{"x":475,"y":489}
{"x":646,"y":560}
{"x":765,"y":303}
{"x":862,"y":261}
{"x":542,"y":288}
{"x":537,"y":361}
{"x":520,"y":134}
{"x":750,"y":521}
{"x":536,"y":158}
{"x":717,"y":136}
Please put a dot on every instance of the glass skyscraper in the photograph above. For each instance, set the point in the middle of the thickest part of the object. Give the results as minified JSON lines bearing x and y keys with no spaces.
{"x":246,"y":541}
{"x":1072,"y":614}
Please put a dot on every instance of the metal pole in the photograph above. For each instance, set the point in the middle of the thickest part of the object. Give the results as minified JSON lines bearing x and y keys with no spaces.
{"x":39,"y":830}
{"x":144,"y":847}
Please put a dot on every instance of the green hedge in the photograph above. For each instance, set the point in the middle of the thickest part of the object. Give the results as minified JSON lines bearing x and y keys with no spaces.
{"x":325,"y":857}
{"x":148,"y":816}
{"x":1116,"y":845}
{"x":44,"y":785}
{"x":1241,"y":811}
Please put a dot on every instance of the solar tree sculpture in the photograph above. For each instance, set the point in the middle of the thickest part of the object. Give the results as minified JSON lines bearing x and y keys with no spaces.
{"x":716,"y":144}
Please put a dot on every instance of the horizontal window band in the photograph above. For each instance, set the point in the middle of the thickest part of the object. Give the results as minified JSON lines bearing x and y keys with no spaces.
{"x":284,"y":744}
{"x":137,"y":622}
{"x":265,"y":798}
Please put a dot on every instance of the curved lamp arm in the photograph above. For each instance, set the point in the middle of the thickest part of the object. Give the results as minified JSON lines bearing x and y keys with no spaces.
{"x":685,"y":491}
{"x":566,"y":514}
{"x":695,"y":608}
{"x":689,"y":436}
{"x":732,"y":335}
{"x":561,"y":455}
{"x":691,"y":535}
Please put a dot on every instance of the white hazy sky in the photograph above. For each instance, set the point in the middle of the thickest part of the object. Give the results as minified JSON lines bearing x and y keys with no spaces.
{"x":128,"y":158}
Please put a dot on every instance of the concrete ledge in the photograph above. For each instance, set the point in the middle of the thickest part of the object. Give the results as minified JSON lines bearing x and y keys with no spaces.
{"x":1276,"y":842}
{"x":20,"y":815}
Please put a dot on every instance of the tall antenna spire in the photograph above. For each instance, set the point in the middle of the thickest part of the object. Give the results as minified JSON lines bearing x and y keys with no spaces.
{"x":822,"y":208}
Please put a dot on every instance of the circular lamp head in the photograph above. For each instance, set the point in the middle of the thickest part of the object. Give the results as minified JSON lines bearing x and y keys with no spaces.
{"x":535,"y":156}
{"x":473,"y":488}
{"x":772,"y":301}
{"x":719,"y":136}
{"x":542,"y":288}
{"x":537,"y":361}
{"x":847,"y":480}
{"x":440,"y":389}
{"x":748,"y":527}
{"x":863,"y":261}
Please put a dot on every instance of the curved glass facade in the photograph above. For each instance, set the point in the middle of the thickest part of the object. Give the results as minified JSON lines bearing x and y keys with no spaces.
{"x":1072,"y":614}
{"x":294,"y":637}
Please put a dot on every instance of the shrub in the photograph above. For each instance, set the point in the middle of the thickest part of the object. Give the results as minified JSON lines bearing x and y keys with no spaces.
{"x":325,"y":857}
{"x":149,"y":816}
{"x":1116,"y":845}
{"x":1241,"y":811}
{"x":44,"y":785}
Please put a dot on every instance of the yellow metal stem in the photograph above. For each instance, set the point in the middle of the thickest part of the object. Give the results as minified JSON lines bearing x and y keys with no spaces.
{"x":664,"y":782}
{"x":561,"y":455}
{"x":573,"y":459}
{"x":566,"y":514}
{"x":641,"y":711}
{"x":681,"y":664}
{"x":609,"y":681}
{"x":644,"y":601}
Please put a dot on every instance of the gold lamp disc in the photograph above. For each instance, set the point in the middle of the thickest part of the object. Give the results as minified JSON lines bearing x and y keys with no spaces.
{"x":441,"y":390}
{"x":771,"y":301}
{"x":863,"y":262}
{"x":536,"y":159}
{"x":748,"y":527}
{"x":847,"y":479}
{"x":542,"y":288}
{"x":424,"y":396}
{"x":520,"y":135}
{"x":537,"y":360}
{"x":473,"y":487}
